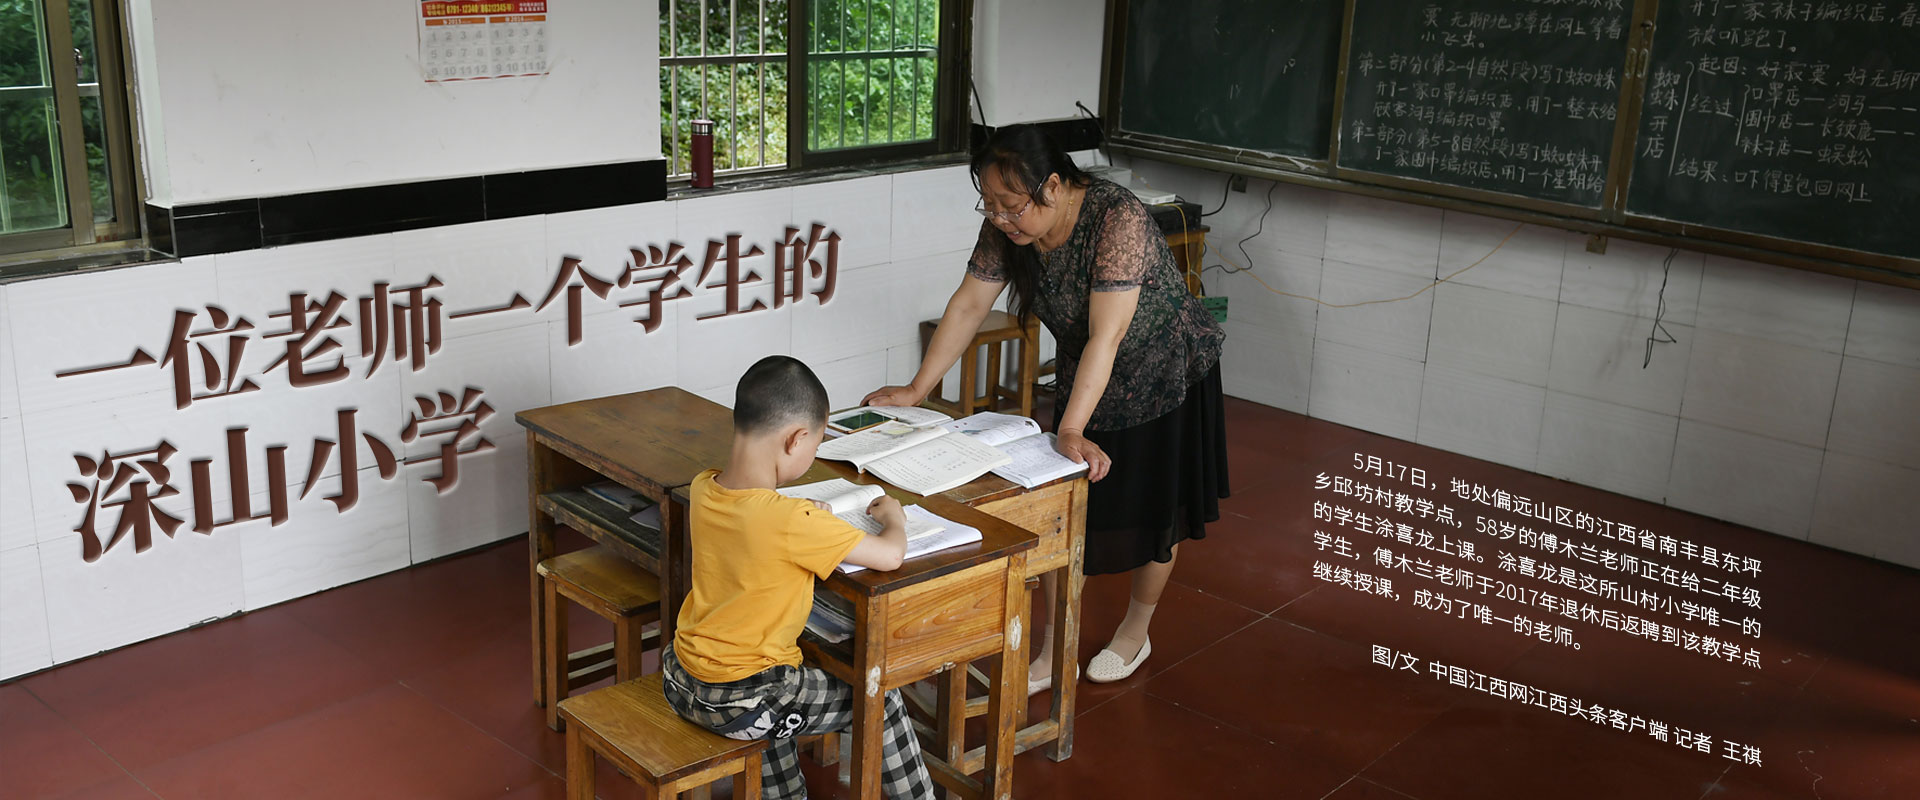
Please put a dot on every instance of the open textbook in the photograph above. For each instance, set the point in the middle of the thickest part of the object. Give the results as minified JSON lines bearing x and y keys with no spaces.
{"x":927,"y":532}
{"x":932,"y":458}
{"x":927,"y":460}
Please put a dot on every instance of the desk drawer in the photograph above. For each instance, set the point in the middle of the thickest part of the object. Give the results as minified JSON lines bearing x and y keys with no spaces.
{"x":954,"y":619}
{"x":1046,"y":513}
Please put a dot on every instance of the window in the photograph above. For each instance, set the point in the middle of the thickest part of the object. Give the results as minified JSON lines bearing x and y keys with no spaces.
{"x":66,"y":171}
{"x":880,"y":79}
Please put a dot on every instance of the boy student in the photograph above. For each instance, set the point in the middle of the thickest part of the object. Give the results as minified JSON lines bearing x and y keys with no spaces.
{"x":733,"y":666}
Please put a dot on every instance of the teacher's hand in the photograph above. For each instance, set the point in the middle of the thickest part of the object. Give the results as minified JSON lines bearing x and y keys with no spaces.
{"x":1075,"y":446}
{"x":893,"y":396}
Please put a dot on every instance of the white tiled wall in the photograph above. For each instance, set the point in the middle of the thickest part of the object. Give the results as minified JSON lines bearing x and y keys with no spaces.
{"x":1786,"y":400}
{"x":1785,"y":404}
{"x":55,"y":606}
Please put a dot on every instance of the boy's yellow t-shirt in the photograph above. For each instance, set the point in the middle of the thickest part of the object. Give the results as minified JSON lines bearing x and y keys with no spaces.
{"x":755,"y":556}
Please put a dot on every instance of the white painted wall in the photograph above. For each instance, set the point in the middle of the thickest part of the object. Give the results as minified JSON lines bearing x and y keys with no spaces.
{"x":1785,"y":405}
{"x":1032,"y":60}
{"x":56,"y":607}
{"x":247,"y":99}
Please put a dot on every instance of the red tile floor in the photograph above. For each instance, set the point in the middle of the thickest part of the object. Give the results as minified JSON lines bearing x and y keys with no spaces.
{"x":1262,"y":683}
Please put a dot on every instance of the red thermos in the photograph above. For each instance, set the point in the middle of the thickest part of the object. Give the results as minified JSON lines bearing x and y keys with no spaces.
{"x":702,"y":154}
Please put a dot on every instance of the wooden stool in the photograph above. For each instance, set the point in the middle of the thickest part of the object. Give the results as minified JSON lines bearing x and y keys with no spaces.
{"x":631,"y":725}
{"x":615,"y":589}
{"x":996,"y":330}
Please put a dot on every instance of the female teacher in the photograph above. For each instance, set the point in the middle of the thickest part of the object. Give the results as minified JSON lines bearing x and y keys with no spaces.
{"x":1139,"y":378}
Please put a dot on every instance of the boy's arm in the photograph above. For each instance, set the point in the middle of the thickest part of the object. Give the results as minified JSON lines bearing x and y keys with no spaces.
{"x":885,"y":551}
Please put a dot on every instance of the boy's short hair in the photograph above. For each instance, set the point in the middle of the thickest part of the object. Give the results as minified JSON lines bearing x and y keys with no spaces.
{"x":776,"y":391}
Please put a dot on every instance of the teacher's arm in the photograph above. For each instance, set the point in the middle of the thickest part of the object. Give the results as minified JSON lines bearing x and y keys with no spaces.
{"x":1109,"y":314}
{"x":965,"y":311}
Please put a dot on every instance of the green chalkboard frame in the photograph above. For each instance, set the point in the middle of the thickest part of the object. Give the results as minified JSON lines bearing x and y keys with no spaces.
{"x":1609,"y":219}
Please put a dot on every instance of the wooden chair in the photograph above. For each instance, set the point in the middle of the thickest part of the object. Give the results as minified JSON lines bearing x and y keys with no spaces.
{"x":611,"y":587}
{"x":998,"y":329}
{"x":631,"y":725}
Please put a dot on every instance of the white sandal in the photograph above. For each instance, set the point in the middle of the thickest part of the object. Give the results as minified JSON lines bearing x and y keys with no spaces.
{"x":1107,"y":667}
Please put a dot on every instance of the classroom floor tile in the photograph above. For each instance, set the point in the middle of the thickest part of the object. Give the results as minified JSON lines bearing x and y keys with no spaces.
{"x":1263,"y":681}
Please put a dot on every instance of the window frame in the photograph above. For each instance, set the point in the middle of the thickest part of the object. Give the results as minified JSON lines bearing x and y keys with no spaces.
{"x":112,"y":87}
{"x":951,"y":123}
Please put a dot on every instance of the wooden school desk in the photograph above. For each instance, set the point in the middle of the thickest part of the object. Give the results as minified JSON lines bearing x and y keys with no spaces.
{"x":936,"y":611}
{"x":1057,"y":513}
{"x":577,"y":443}
{"x":650,"y":442}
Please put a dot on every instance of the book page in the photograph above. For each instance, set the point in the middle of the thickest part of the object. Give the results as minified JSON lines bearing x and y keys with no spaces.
{"x":936,"y":466}
{"x":938,"y":533}
{"x":840,"y":494}
{"x":912,"y":415}
{"x":880,"y":441}
{"x":994,"y":429}
{"x":849,"y":503}
{"x":1035,"y":461}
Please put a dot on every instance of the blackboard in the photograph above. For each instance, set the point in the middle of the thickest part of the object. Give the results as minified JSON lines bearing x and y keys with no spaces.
{"x":1780,"y":131}
{"x":1793,"y":120}
{"x":1513,"y":96}
{"x":1250,"y":74}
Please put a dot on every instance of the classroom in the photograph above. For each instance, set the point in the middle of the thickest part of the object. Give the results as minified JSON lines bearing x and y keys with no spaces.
{"x":1323,"y":399}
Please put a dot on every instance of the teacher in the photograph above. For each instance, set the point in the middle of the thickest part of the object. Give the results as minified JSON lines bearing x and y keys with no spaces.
{"x":1139,"y":397}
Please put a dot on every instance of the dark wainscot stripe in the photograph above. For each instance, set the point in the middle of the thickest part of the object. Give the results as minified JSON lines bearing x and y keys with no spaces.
{"x":338,"y":214}
{"x":553,"y":191}
{"x":234,"y":225}
{"x":221,"y":227}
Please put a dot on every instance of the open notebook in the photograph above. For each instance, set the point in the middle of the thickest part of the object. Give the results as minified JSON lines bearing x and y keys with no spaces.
{"x":927,"y":532}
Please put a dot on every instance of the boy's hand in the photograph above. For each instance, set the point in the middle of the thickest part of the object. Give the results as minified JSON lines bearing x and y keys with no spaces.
{"x":822,"y":506}
{"x":887,"y":510}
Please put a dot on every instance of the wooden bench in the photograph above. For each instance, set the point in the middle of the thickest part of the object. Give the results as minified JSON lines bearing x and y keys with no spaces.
{"x":631,"y":725}
{"x":614,"y":589}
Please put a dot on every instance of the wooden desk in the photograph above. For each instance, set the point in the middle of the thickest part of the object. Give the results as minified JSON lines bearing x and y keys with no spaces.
{"x":650,"y":442}
{"x":656,"y":441}
{"x":1057,"y":513}
{"x":936,"y":611}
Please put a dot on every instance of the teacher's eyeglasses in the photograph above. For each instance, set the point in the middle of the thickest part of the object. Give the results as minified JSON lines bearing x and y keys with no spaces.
{"x":1008,"y":217}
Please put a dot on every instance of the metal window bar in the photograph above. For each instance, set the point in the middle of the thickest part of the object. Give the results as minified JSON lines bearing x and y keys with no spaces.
{"x":904,"y":42}
{"x":703,"y":64}
{"x":841,"y":110}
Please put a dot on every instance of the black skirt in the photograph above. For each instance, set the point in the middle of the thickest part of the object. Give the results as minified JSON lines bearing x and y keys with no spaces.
{"x":1167,"y":479}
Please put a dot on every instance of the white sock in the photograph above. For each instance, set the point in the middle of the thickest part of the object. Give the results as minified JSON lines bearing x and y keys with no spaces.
{"x":1042,"y":663}
{"x":1132,"y":633}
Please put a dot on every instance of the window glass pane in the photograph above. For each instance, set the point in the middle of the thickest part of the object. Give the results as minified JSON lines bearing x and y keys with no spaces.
{"x":777,"y":27}
{"x":776,"y":136}
{"x":686,"y":27}
{"x":666,"y":30}
{"x":32,"y":189}
{"x":688,"y":79}
{"x":93,"y":123}
{"x":719,"y":27}
{"x":32,"y":186}
{"x":871,"y":83}
{"x":23,"y":45}
{"x":746,"y":26}
{"x":80,"y":14}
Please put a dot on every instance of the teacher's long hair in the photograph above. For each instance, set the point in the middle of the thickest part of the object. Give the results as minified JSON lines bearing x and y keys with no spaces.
{"x":1026,"y":156}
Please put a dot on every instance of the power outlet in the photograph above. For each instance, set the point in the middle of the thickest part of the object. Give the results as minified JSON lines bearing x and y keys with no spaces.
{"x":1237,"y":183}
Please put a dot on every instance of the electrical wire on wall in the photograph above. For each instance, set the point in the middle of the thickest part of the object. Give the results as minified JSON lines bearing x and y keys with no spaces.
{"x":1231,"y":268}
{"x":1659,"y":334}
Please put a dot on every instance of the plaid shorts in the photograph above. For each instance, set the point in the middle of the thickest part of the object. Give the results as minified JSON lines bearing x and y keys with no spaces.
{"x":779,"y":703}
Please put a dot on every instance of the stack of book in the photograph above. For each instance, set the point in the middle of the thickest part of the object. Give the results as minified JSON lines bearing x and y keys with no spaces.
{"x":831,"y":618}
{"x":638,"y":508}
